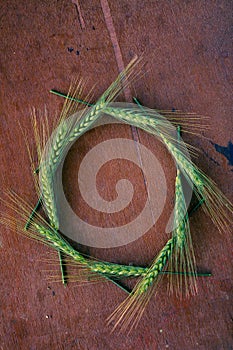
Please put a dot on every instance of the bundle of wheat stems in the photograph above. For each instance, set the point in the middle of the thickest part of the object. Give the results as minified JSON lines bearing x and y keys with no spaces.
{"x":177,"y":255}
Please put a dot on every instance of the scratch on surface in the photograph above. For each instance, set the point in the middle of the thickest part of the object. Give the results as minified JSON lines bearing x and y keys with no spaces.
{"x":115,"y":44}
{"x":127,"y":91}
{"x":80,"y":17}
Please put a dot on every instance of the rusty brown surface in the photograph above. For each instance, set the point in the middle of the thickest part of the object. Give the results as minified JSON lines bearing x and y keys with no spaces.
{"x":187,"y":49}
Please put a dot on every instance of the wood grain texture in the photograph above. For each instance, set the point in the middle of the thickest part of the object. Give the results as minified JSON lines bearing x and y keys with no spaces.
{"x":187,"y":49}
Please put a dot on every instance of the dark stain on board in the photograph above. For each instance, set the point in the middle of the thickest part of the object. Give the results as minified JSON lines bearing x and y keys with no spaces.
{"x":225,"y":151}
{"x":208,"y":156}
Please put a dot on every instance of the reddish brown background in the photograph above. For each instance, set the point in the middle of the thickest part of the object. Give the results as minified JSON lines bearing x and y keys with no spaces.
{"x":187,"y":49}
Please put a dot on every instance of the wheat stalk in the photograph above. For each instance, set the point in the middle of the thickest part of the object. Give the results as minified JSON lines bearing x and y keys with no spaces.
{"x":129,"y":312}
{"x":42,"y":231}
{"x":215,"y":203}
{"x":182,"y":258}
{"x":68,"y":132}
{"x":178,"y":253}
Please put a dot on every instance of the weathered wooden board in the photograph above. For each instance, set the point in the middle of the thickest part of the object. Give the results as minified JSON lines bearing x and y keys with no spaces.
{"x":186,"y":46}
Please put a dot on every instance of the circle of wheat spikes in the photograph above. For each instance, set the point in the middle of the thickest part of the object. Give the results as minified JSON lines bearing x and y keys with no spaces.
{"x":176,"y":258}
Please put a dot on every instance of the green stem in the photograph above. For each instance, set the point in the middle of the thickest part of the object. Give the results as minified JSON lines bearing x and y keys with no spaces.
{"x":62,"y":267}
{"x":36,"y":171}
{"x":178,"y":132}
{"x":37,"y":206}
{"x":207,"y":274}
{"x":117,"y":284}
{"x":70,"y":98}
{"x":199,"y":204}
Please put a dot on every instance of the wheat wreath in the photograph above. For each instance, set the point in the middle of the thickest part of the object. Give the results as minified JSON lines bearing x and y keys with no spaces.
{"x":176,"y":258}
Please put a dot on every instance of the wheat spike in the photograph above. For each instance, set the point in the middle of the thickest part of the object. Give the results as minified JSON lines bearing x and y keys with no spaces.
{"x":216,"y":204}
{"x":68,"y":132}
{"x":182,"y":257}
{"x":129,"y":312}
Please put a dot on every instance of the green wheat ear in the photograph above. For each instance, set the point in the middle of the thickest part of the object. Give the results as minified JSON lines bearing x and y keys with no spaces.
{"x":68,"y":132}
{"x":40,"y":230}
{"x":215,"y":203}
{"x":182,"y":257}
{"x":177,"y":254}
{"x":129,"y":312}
{"x":177,"y":249}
